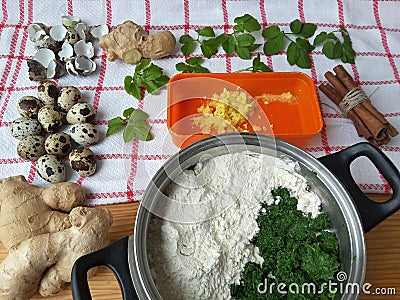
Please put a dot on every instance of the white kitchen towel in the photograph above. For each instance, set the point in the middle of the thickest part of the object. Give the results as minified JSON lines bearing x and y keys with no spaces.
{"x":124,"y":170}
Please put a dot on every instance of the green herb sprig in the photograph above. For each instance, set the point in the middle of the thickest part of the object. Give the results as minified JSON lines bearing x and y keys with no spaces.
{"x":147,"y":75}
{"x":257,"y":66}
{"x":133,"y":123}
{"x":192,"y":65}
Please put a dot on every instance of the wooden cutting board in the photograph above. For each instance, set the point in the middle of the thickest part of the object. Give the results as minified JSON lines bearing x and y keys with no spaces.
{"x":383,"y":249}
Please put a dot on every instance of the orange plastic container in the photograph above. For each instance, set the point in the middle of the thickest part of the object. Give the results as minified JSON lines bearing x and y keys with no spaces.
{"x":295,"y":122}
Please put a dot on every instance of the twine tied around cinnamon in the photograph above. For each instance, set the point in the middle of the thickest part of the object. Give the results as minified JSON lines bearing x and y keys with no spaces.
{"x":353,"y":98}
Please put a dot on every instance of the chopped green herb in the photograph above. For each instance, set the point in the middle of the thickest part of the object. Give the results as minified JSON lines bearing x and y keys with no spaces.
{"x":296,"y":248}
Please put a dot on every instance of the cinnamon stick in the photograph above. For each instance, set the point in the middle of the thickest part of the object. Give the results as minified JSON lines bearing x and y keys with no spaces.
{"x":369,"y":122}
{"x":361,"y":129}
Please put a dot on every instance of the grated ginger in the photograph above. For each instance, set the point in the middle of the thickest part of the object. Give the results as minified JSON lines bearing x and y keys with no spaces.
{"x":286,"y":97}
{"x":226,"y":112}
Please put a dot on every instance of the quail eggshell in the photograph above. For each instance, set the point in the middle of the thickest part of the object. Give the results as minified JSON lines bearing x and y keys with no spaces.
{"x":69,"y":95}
{"x":31,"y":147}
{"x":58,"y":144}
{"x":50,"y":168}
{"x":84,"y":134}
{"x":81,"y":113}
{"x":83,"y":161}
{"x":50,"y":118}
{"x":72,"y":36}
{"x":28,"y":106}
{"x":47,"y":92}
{"x":23,"y":127}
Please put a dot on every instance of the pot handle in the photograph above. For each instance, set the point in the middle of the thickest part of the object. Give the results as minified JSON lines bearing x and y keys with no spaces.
{"x":115,"y":257}
{"x":371,"y":212}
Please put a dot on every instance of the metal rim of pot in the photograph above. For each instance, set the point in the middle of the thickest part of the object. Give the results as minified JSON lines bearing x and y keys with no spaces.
{"x":351,"y":211}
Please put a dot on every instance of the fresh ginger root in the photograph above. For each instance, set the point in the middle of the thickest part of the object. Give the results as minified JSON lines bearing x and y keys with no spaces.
{"x":130,"y":42}
{"x":43,"y":243}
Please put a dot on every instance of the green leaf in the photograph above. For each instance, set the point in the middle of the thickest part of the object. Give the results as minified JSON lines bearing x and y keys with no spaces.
{"x":229,"y":45}
{"x":292,"y":53}
{"x":140,"y":131}
{"x":332,"y":36}
{"x":245,"y":40}
{"x":238,"y":28}
{"x":152,"y":72}
{"x":328,"y":49}
{"x":200,"y":69}
{"x":296,"y":26}
{"x":127,"y":112}
{"x":221,"y":38}
{"x":162,"y":80}
{"x":259,"y":66}
{"x":243,"y":52}
{"x":209,"y":47}
{"x":303,"y":61}
{"x":247,"y":23}
{"x":138,"y":116}
{"x":305,"y":44}
{"x":188,"y":44}
{"x":320,"y":38}
{"x":151,"y":87}
{"x":206,"y":31}
{"x":184,"y":39}
{"x":115,"y":125}
{"x":194,"y":61}
{"x":134,"y":90}
{"x":142,"y":65}
{"x":181,"y":67}
{"x":253,"y":47}
{"x":272,"y":32}
{"x":274,"y":45}
{"x":308,"y":29}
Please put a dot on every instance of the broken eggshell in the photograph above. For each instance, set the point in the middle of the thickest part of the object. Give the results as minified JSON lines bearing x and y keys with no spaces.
{"x":58,"y":33}
{"x":70,"y":21}
{"x":37,"y":31}
{"x":82,"y":48}
{"x":67,"y":51}
{"x":80,"y":65}
{"x":36,"y":71}
{"x":98,"y":31}
{"x":45,"y":57}
{"x":72,"y":36}
{"x":81,"y":29}
{"x":48,"y":43}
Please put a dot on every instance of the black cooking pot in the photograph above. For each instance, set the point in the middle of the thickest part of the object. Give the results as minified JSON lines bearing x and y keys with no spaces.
{"x":352,"y":213}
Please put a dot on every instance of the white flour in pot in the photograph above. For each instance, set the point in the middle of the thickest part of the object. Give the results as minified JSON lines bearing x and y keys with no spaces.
{"x":201,"y":260}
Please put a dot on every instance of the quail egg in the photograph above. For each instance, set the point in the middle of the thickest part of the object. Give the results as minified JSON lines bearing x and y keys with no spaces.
{"x":28,"y":106}
{"x":81,"y":113}
{"x":31,"y":147}
{"x":47,"y":92}
{"x":84,"y":134}
{"x":23,"y":127}
{"x":58,"y":144}
{"x":82,"y":160}
{"x":50,"y":169}
{"x":69,"y":95}
{"x":50,"y":118}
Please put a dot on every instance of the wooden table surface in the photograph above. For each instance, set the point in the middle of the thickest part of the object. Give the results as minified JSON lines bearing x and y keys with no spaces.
{"x":383,"y":255}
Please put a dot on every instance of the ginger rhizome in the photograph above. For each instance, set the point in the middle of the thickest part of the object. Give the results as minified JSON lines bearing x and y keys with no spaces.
{"x":130,"y":43}
{"x":45,"y":231}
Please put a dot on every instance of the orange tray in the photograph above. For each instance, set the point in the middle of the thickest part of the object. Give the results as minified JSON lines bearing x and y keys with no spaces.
{"x":295,"y":123}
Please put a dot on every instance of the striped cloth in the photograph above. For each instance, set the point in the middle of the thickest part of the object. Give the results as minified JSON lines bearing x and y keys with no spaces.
{"x":125,"y":170}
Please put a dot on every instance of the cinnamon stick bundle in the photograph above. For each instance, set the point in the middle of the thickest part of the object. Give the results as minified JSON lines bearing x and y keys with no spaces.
{"x":345,"y":93}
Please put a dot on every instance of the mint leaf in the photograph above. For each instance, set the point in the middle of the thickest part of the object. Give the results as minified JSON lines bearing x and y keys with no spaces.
{"x":259,"y":66}
{"x":303,"y":61}
{"x":292,"y":53}
{"x":142,"y":65}
{"x":209,"y":47}
{"x":188,"y":44}
{"x":206,"y":31}
{"x":320,"y":38}
{"x":327,"y":49}
{"x":115,"y":125}
{"x":305,"y":44}
{"x":127,"y":112}
{"x":229,"y":45}
{"x":181,"y":67}
{"x":246,"y":23}
{"x":295,"y":26}
{"x":243,"y":52}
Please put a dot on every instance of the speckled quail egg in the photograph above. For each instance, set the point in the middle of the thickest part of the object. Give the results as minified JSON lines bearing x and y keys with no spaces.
{"x":72,"y":36}
{"x":31,"y":147}
{"x":28,"y":106}
{"x":50,"y":118}
{"x":83,"y":161}
{"x":58,"y":144}
{"x":47,"y":92}
{"x":69,"y":95}
{"x":23,"y":127}
{"x":81,"y":113}
{"x":50,"y":169}
{"x":84,"y":134}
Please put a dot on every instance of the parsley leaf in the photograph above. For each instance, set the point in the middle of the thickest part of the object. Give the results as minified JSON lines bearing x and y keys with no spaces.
{"x":192,"y":65}
{"x":257,"y":66}
{"x":133,"y":124}
{"x":147,"y":75}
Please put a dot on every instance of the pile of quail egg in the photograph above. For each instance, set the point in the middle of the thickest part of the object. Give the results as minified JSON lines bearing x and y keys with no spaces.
{"x":39,"y":131}
{"x":67,"y":47}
